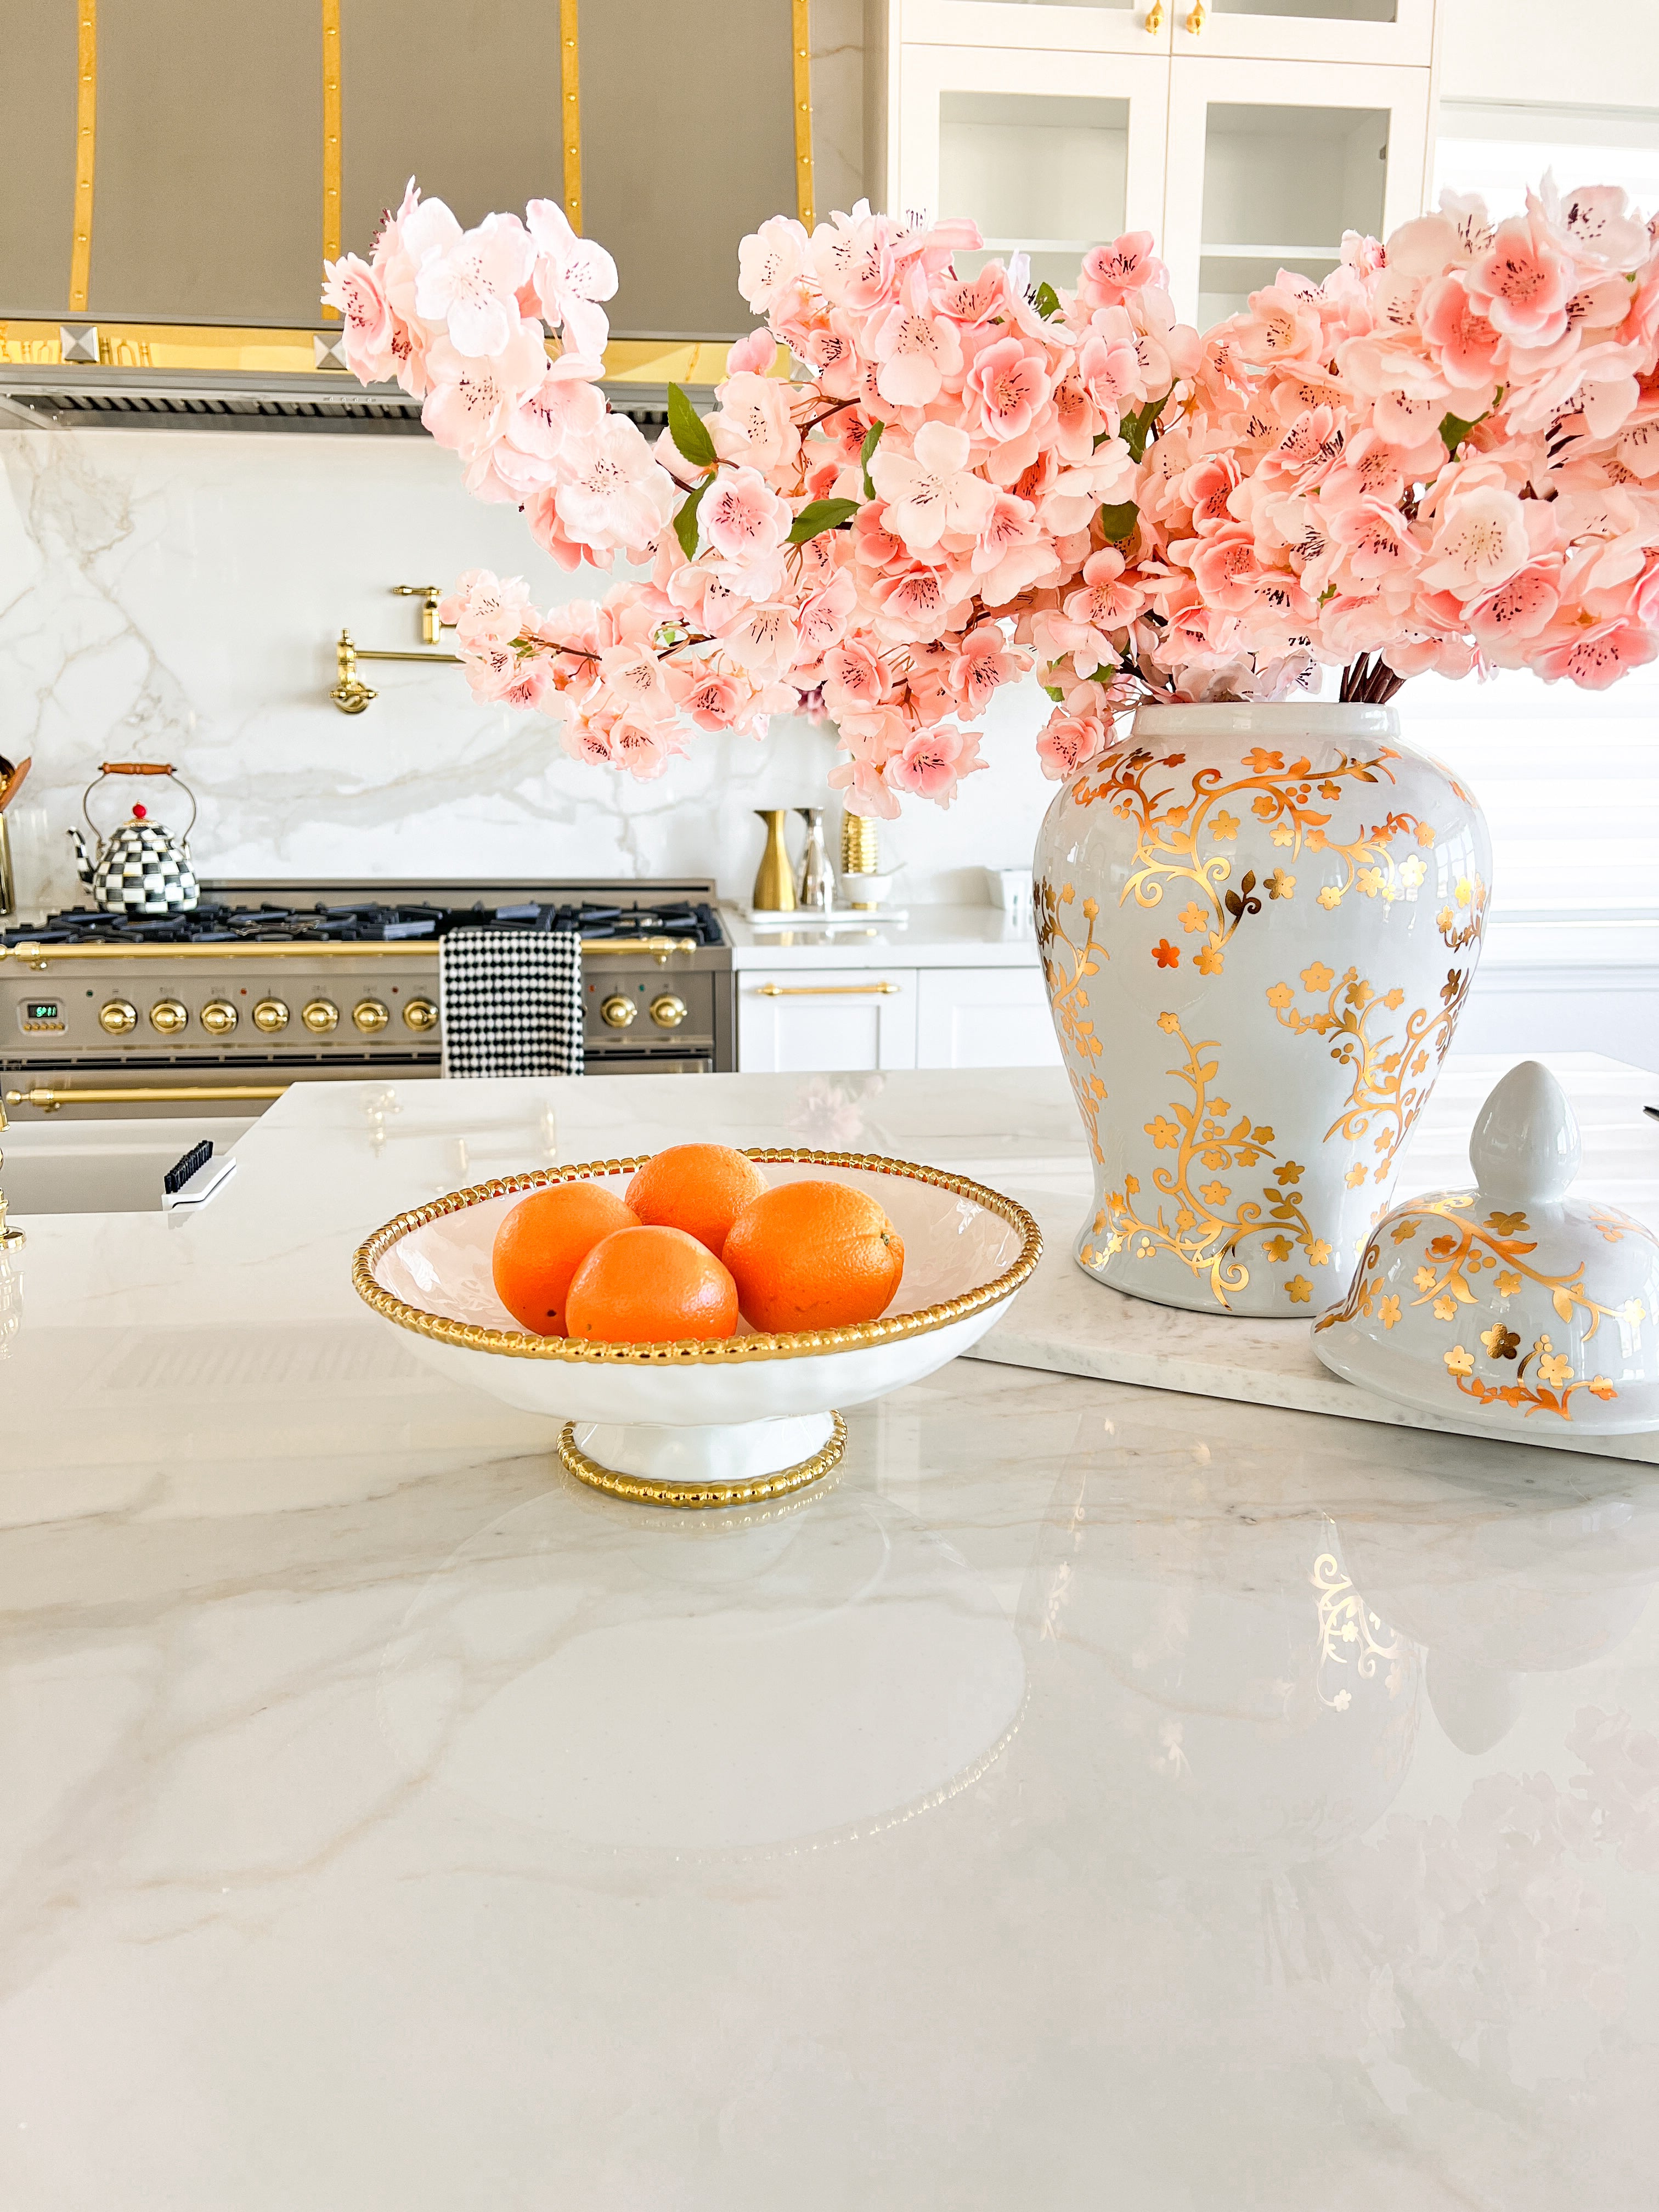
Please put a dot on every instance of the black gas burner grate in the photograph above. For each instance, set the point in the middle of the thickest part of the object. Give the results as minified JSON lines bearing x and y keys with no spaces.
{"x":367,"y":922}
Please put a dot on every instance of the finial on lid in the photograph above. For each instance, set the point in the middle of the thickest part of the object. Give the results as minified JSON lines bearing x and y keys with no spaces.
{"x":1525,"y":1147}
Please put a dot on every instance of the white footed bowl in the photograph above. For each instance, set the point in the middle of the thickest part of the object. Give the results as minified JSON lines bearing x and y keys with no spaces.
{"x":741,"y":1417}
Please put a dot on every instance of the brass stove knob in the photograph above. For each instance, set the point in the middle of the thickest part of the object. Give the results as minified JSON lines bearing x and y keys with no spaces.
{"x":320,"y":1016}
{"x":616,"y":1012}
{"x":370,"y":1015}
{"x":270,"y":1015}
{"x":167,"y":1017}
{"x":669,"y":1011}
{"x":120,"y":1016}
{"x":420,"y":1015}
{"x":219,"y":1018}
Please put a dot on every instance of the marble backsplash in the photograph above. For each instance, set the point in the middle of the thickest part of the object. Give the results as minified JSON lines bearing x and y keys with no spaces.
{"x":175,"y":595}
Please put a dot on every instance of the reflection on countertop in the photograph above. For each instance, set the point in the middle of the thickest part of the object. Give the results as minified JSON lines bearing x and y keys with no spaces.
{"x":1094,"y":1795}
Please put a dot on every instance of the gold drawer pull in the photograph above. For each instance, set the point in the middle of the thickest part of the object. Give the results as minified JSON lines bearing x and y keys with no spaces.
{"x":47,"y":1101}
{"x":825,"y":990}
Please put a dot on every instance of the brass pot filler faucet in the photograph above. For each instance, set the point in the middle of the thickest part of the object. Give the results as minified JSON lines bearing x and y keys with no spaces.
{"x":350,"y":694}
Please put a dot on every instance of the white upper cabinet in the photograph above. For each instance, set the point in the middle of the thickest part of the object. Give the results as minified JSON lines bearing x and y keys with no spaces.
{"x":1131,"y":26}
{"x":1247,"y":136}
{"x":1284,"y":159}
{"x":1050,"y":153}
{"x":1398,"y":31}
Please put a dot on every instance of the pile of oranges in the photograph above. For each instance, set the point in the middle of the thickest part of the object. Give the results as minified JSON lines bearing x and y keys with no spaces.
{"x":700,"y":1239}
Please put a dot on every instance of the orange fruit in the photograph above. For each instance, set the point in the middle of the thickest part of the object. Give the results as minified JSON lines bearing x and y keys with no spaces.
{"x":700,"y":1189}
{"x":813,"y":1255}
{"x":650,"y":1285}
{"x":541,"y":1243}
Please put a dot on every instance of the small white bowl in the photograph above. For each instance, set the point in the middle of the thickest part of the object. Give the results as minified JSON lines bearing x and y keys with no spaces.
{"x":726,"y":1422}
{"x":866,"y":893}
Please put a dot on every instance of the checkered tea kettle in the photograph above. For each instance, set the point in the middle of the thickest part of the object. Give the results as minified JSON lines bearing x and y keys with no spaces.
{"x":138,"y":868}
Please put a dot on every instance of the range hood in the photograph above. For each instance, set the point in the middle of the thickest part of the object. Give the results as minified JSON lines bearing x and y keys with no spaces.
{"x":178,"y":175}
{"x":136,"y":376}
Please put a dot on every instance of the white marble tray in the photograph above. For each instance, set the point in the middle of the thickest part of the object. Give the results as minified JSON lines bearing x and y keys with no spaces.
{"x":1069,"y":1324}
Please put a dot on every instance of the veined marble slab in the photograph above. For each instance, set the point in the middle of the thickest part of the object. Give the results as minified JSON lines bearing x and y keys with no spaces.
{"x":1068,"y":1323}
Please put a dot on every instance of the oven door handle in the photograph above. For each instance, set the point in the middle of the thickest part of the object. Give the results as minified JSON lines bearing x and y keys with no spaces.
{"x":37,"y":956}
{"x":46,"y":1099}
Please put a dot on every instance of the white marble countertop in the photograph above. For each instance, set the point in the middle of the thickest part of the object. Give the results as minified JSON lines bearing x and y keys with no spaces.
{"x":1099,"y":1795}
{"x":931,"y":936}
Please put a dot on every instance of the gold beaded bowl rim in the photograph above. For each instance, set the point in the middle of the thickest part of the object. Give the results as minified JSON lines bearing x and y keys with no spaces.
{"x":718,"y":1351}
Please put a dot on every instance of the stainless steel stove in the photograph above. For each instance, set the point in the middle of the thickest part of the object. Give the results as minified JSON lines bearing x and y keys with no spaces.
{"x":268,"y":984}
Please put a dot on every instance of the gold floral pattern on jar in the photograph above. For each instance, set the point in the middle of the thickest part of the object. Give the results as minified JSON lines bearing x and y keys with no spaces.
{"x":1202,"y":1224}
{"x":1392,"y":1079}
{"x":1170,"y":839}
{"x":1067,"y":970}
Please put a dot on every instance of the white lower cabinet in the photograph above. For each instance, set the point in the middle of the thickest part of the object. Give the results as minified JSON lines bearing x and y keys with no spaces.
{"x":802,"y":1021}
{"x":983,"y":1018}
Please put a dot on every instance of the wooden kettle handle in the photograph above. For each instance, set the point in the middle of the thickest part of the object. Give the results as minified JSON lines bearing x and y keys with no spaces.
{"x":135,"y":768}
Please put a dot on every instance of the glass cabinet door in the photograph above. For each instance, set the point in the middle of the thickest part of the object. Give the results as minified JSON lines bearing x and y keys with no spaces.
{"x":1388,"y":31}
{"x":1269,"y":166}
{"x":1049,"y":154}
{"x":1058,"y":27}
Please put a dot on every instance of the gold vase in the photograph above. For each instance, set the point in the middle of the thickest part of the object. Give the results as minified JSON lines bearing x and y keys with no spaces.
{"x":861,"y":846}
{"x":774,"y":883}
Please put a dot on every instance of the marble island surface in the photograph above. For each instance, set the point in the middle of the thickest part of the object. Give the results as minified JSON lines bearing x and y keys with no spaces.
{"x":1095,"y":1794}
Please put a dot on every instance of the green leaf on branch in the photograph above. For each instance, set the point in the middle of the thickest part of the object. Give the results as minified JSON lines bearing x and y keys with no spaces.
{"x":1453,"y":429}
{"x":1119,"y":522}
{"x":689,"y":430}
{"x":1137,"y":428}
{"x":1047,"y":301}
{"x":685,"y":522}
{"x":1055,"y":694}
{"x":823,"y":514}
{"x":867,"y":453}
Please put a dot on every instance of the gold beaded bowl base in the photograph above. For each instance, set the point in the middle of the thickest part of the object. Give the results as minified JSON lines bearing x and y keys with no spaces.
{"x":720,"y":1423}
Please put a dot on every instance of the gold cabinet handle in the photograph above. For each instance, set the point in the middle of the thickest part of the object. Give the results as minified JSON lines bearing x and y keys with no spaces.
{"x":1195,"y":19}
{"x":826,"y":990}
{"x":1155,"y":18}
{"x":47,"y":1101}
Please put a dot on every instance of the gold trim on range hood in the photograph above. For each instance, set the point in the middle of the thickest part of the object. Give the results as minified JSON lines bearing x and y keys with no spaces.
{"x":238,"y":375}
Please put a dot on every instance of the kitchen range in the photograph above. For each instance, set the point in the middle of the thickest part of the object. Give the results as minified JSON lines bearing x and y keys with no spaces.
{"x":266,"y":984}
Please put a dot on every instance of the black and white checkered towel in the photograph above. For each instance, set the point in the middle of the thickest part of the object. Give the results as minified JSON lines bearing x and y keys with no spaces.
{"x":511,"y":1001}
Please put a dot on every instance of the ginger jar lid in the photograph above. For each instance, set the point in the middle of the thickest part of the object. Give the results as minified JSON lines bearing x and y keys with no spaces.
{"x":1514,"y":1306}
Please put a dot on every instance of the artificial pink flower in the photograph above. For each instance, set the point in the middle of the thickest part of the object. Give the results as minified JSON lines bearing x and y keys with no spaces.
{"x":1066,"y":741}
{"x":753,"y":424}
{"x":469,"y":280}
{"x":470,"y":398}
{"x":1009,"y":379}
{"x":745,"y":522}
{"x":1597,"y":655}
{"x":353,"y":288}
{"x":985,"y":663}
{"x":756,"y":353}
{"x":934,"y":762}
{"x":613,"y":493}
{"x":931,"y":490}
{"x":715,"y":701}
{"x":769,"y":260}
{"x":571,"y":275}
{"x":916,"y":350}
{"x":1523,"y":284}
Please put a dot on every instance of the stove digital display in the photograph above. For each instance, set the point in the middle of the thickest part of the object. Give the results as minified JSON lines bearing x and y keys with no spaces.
{"x":42,"y":1010}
